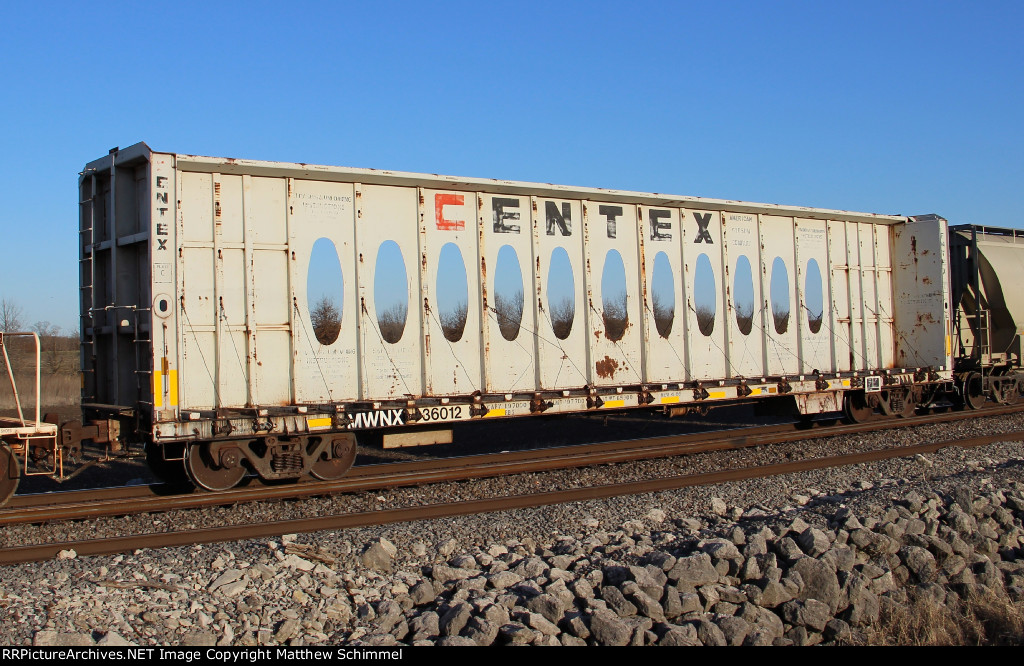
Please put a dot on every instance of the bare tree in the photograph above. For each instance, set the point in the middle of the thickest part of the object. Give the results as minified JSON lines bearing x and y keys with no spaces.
{"x":453,"y":322}
{"x":326,"y":319}
{"x":615,"y":317}
{"x":562,"y":314}
{"x":664,"y":313}
{"x":745,"y":317}
{"x":58,"y":349}
{"x":392,"y":322}
{"x":705,"y":319}
{"x":509,"y":310}
{"x":10,"y":316}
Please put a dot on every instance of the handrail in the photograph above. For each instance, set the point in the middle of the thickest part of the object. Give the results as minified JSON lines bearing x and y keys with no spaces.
{"x":10,"y":372}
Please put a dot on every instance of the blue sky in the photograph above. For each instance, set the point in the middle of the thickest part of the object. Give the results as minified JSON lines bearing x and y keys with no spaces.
{"x":908,"y":107}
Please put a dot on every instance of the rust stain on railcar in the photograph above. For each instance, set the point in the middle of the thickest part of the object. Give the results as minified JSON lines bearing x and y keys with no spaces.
{"x":607,"y":367}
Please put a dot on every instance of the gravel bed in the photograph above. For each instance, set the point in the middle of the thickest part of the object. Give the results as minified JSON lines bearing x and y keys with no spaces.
{"x":61,"y":596}
{"x":538,"y":482}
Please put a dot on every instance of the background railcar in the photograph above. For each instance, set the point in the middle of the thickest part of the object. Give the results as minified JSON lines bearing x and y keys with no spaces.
{"x":205,"y":336}
{"x":987,"y":264}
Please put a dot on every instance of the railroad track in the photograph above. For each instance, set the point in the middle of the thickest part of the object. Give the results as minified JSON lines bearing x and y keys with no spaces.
{"x":107,"y":502}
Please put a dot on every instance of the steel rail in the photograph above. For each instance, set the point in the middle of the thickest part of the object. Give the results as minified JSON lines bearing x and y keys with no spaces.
{"x":21,"y":554}
{"x":98,"y":503}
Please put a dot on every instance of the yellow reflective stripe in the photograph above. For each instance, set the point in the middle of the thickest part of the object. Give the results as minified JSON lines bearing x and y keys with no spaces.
{"x":716,"y":394}
{"x":172,"y":390}
{"x":668,"y":400}
{"x":613,"y":403}
{"x":755,"y":391}
{"x":494,"y":412}
{"x":319,"y":423}
{"x":158,"y":389}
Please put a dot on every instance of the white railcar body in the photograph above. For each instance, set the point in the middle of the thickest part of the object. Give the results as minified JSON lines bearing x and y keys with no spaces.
{"x":196,"y":302}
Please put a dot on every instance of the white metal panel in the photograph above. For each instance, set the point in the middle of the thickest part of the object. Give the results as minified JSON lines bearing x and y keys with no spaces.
{"x":267,"y":288}
{"x":815,"y":347}
{"x":778,"y":241}
{"x":196,"y":293}
{"x":610,"y":228}
{"x":557,"y":224}
{"x":746,"y":350}
{"x":229,"y":286}
{"x":272,"y":315}
{"x":664,"y":356}
{"x":840,"y":311}
{"x":883,"y":296}
{"x":702,"y":235}
{"x":451,"y":367}
{"x":389,"y":370}
{"x":323,"y":373}
{"x":869,"y":295}
{"x":509,"y":365}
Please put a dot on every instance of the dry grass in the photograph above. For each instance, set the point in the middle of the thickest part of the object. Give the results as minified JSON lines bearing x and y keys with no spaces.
{"x":992,"y":620}
{"x":57,"y":390}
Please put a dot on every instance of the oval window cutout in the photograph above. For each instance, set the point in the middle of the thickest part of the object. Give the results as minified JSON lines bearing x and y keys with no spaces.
{"x":390,"y":291}
{"x":508,"y":293}
{"x":780,"y":295}
{"x":813,"y":300}
{"x":663,"y":295}
{"x":743,"y":295}
{"x":561,"y":293}
{"x":452,"y":292}
{"x":325,"y":291}
{"x":704,"y":298}
{"x":613,"y":296}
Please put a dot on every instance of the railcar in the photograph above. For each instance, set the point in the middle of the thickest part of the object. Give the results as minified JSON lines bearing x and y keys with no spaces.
{"x":208,"y":340}
{"x":987,"y":265}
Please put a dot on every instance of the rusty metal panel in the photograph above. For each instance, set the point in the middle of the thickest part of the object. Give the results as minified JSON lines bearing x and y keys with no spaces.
{"x":389,"y":369}
{"x":559,"y":277}
{"x":506,"y":244}
{"x":814,"y":321}
{"x":781,"y":335}
{"x":746,"y":341}
{"x":324,"y":371}
{"x":702,"y":237}
{"x":452,"y":363}
{"x":664,"y":342}
{"x":612,"y":243}
{"x":921,"y":288}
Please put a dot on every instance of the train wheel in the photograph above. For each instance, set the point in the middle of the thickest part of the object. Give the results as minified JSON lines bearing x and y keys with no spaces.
{"x":214,"y":468}
{"x":171,"y":472}
{"x":10,"y":473}
{"x":856,"y":408}
{"x":336,"y":459}
{"x":974,"y":391}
